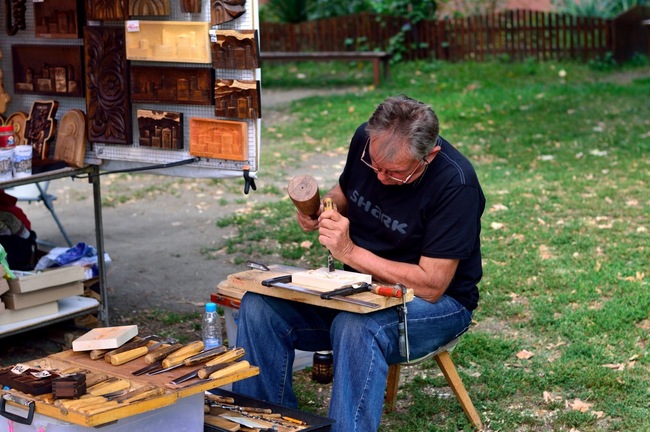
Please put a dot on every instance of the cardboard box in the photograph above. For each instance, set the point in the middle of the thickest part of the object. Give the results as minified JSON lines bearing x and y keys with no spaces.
{"x":29,"y":281}
{"x":15,"y":301}
{"x":4,"y":285}
{"x":13,"y":316}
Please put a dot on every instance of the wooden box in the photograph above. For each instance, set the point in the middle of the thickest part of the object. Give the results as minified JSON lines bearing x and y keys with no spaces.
{"x":15,"y":301}
{"x":33,"y":281}
{"x":58,"y":73}
{"x":168,"y":41}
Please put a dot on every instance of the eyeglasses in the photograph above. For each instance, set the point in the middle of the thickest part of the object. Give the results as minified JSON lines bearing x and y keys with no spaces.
{"x":384,"y":172}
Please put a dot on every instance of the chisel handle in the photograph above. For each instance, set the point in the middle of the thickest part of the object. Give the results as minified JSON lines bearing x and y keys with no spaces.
{"x":187,"y":351}
{"x":233,"y":368}
{"x":161,"y":353}
{"x":228,"y":356}
{"x":127,"y":356}
{"x":205,"y":356}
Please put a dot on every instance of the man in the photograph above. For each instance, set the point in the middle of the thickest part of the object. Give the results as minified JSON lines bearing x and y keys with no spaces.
{"x":407,"y":210}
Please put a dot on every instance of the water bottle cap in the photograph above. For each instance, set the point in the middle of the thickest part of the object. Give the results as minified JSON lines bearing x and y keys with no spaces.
{"x":210,"y":307}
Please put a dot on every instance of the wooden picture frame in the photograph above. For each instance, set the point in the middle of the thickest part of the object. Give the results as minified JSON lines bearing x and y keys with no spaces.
{"x":59,"y":73}
{"x":219,"y":139}
{"x":160,"y":129}
{"x":60,"y":19}
{"x":176,"y":85}
{"x":168,"y":41}
{"x":237,"y":99}
{"x":235,"y":49}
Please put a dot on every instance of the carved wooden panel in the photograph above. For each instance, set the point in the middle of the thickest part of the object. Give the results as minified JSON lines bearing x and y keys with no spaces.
{"x":222,"y":11}
{"x":237,"y":99}
{"x":70,"y":145}
{"x":219,"y":139}
{"x":15,"y":16}
{"x":57,"y":19}
{"x":151,"y":84}
{"x":144,"y":8}
{"x":169,"y":41}
{"x":161,"y":129}
{"x":40,"y":127}
{"x":107,"y":87}
{"x":18,"y":120}
{"x":58,"y":73}
{"x":4,"y":96}
{"x":106,"y":10}
{"x":191,"y":6}
{"x":235,"y":50}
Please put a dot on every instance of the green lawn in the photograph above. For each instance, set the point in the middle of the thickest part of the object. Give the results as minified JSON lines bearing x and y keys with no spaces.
{"x":560,"y":340}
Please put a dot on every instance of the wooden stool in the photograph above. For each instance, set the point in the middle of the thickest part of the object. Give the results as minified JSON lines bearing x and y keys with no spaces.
{"x":446,"y":365}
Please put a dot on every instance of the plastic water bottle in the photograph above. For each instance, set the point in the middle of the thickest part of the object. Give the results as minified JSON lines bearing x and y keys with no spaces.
{"x":211,"y":326}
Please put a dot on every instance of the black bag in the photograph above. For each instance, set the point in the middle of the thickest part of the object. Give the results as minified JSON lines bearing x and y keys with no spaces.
{"x":21,"y":253}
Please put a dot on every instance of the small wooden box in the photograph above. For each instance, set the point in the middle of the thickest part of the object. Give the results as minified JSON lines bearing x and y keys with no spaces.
{"x":69,"y":387}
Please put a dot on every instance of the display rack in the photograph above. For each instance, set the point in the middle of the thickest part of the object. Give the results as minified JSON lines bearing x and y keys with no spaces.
{"x":81,"y":306}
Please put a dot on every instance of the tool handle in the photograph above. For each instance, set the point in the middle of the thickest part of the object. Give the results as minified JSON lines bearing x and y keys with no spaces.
{"x":205,"y":356}
{"x":231,"y":369}
{"x":228,"y":356}
{"x":209,"y":370}
{"x":346,"y":290}
{"x":179,"y":356}
{"x":387,"y":291}
{"x":127,"y":356}
{"x":161,"y":353}
{"x":328,"y":204}
{"x":277,"y":279}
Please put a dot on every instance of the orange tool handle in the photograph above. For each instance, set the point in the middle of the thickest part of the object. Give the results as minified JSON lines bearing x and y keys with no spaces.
{"x":387,"y":291}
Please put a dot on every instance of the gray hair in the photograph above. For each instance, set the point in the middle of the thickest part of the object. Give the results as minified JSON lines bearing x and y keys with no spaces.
{"x":404,"y":119}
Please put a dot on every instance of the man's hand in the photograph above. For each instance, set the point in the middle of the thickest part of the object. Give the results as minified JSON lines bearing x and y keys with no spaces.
{"x":306,"y":222}
{"x":334,"y":233}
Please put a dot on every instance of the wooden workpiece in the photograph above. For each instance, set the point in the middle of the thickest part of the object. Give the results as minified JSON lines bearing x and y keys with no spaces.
{"x":251,"y":280}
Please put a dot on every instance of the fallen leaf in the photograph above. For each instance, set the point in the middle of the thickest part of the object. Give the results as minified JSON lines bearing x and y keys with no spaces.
{"x":306,"y":244}
{"x":524,"y":355}
{"x":615,"y":366}
{"x":578,"y":405}
{"x":496,"y":225}
{"x":544,"y":252}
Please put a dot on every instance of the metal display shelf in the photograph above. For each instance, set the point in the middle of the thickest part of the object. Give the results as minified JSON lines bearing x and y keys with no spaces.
{"x":92,"y":173}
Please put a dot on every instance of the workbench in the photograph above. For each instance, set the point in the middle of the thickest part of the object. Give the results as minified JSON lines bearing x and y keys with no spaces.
{"x":78,"y":306}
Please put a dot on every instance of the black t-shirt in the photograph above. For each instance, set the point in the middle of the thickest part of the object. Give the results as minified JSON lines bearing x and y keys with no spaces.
{"x":437,"y":216}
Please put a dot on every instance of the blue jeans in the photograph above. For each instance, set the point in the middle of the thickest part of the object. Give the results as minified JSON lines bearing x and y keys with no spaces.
{"x":363,"y":345}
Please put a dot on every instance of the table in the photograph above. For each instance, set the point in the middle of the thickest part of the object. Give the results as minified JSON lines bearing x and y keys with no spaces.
{"x":92,"y":173}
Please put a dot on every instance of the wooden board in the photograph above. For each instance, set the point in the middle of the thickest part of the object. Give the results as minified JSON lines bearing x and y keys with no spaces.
{"x":104,"y":338}
{"x":323,"y":280}
{"x":251,"y":280}
{"x":67,"y":360}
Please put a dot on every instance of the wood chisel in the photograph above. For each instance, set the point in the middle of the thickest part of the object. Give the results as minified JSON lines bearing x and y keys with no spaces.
{"x":284,"y":282}
{"x":127,"y":356}
{"x":328,"y":204}
{"x":226,"y":357}
{"x":161,"y":353}
{"x":129,"y":346}
{"x":192,"y":360}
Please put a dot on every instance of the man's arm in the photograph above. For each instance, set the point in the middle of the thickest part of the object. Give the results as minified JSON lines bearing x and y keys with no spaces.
{"x":340,"y":203}
{"x":429,"y":278}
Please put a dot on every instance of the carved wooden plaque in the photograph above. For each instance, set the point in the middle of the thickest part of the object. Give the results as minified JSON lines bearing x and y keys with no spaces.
{"x":107,"y":87}
{"x":106,"y":10}
{"x":151,"y":84}
{"x":70,"y":145}
{"x":222,"y":11}
{"x":219,"y":139}
{"x":235,"y":50}
{"x":40,"y":127}
{"x":161,"y":129}
{"x":4,"y":96}
{"x":191,"y":6}
{"x":168,"y":41}
{"x":18,"y":120}
{"x":57,"y":73}
{"x":237,"y":99}
{"x":15,"y":16}
{"x":145,"y":8}
{"x":56,"y":19}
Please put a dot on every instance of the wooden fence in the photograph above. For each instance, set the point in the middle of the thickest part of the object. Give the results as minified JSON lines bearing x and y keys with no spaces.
{"x":515,"y":34}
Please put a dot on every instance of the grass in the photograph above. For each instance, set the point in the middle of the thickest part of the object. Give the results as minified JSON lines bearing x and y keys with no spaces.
{"x":562,"y":151}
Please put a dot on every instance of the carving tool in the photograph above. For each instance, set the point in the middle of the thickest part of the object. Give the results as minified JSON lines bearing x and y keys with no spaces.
{"x":127,"y":356}
{"x":109,"y":386}
{"x":257,"y":266}
{"x":191,"y":360}
{"x":284,"y":282}
{"x":128,"y":346}
{"x":212,"y":366}
{"x":346,"y":290}
{"x":177,"y":357}
{"x":328,"y":204}
{"x":159,"y":354}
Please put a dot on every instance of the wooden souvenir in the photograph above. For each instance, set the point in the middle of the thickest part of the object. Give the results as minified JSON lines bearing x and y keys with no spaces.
{"x":158,"y":85}
{"x":18,"y":120}
{"x":235,"y":50}
{"x":40,"y":127}
{"x":144,"y":8}
{"x":70,"y":145}
{"x":219,"y":139}
{"x":237,"y":99}
{"x":57,"y":19}
{"x":191,"y":6}
{"x":222,"y":11}
{"x":169,"y":41}
{"x":59,"y":73}
{"x":160,"y":129}
{"x":15,"y":16}
{"x":108,"y":107}
{"x":106,"y":10}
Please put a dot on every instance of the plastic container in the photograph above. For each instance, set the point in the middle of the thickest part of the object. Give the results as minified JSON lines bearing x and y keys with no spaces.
{"x":22,"y":161}
{"x":211,"y":327}
{"x":323,"y":369}
{"x":6,"y":163}
{"x":7,"y":136}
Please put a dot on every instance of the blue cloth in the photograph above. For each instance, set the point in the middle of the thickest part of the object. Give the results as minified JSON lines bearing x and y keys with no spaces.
{"x":363,"y":346}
